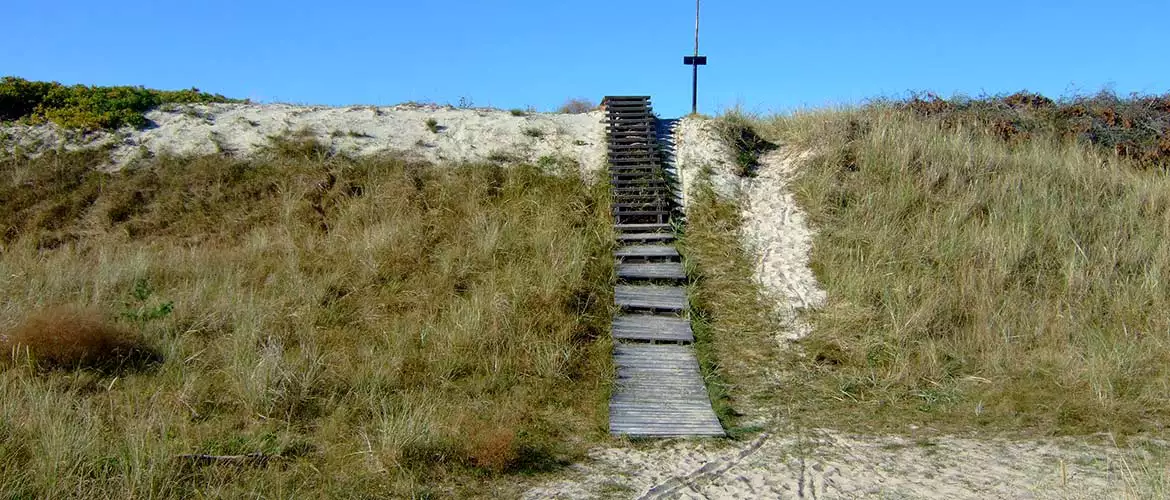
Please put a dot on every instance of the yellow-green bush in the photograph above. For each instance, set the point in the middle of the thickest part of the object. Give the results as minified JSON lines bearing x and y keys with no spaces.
{"x":88,"y":107}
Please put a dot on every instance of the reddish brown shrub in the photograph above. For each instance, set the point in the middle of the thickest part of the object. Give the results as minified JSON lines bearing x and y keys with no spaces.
{"x":493,"y":448}
{"x":931,"y":105}
{"x":69,"y":337}
{"x":1009,"y":131}
{"x":1028,"y":100}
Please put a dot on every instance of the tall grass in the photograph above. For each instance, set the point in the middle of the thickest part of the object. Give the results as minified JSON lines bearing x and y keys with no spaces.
{"x":974,"y":280}
{"x":372,"y":327}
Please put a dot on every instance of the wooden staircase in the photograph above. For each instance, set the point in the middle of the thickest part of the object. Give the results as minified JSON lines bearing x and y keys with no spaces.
{"x":659,"y":390}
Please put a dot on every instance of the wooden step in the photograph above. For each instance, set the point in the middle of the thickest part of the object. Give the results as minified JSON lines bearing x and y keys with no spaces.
{"x":617,"y":191}
{"x":629,"y":212}
{"x":627,"y":238}
{"x":644,"y":228}
{"x":652,"y":328}
{"x":640,"y":182}
{"x":651,"y":297}
{"x":651,"y":271}
{"x":657,"y":205}
{"x":659,"y":392}
{"x":647,"y":251}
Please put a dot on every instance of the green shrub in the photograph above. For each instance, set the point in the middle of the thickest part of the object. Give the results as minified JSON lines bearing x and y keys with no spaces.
{"x":89,"y":107}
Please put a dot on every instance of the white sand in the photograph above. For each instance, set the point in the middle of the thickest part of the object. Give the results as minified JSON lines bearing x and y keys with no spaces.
{"x":826,"y":464}
{"x":697,"y":147}
{"x":775,"y":230}
{"x":242,"y":129}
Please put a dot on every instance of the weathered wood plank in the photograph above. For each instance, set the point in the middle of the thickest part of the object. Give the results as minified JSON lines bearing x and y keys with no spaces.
{"x":652,"y":328}
{"x":660,"y":392}
{"x":652,"y":271}
{"x":643,"y":227}
{"x":627,"y":238}
{"x":664,"y":298}
{"x":647,"y":251}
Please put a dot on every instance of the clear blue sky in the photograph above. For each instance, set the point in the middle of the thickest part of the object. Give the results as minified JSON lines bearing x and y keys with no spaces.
{"x":765,"y":55}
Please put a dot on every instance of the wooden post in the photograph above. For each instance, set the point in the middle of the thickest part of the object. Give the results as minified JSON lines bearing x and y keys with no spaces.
{"x":695,"y":75}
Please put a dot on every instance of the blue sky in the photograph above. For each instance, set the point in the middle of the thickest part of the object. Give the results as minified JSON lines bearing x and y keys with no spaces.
{"x":764,"y":55}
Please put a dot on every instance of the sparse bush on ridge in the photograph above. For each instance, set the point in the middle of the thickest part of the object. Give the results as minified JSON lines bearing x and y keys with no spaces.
{"x":577,"y":106}
{"x":1137,"y":127}
{"x":89,"y":107}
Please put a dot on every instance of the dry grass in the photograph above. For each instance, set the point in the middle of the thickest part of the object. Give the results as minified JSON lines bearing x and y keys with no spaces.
{"x":376,"y":328}
{"x":69,"y":337}
{"x":977,"y":281}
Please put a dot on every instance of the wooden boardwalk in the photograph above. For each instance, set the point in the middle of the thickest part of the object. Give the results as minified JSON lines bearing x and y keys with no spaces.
{"x":659,"y":390}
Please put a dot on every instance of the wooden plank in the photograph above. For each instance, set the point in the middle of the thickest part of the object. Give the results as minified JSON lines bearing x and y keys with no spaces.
{"x":663,"y":190}
{"x":639,"y":182}
{"x":627,"y":238}
{"x":663,"y":298}
{"x":644,"y":228}
{"x":643,"y":197}
{"x":647,"y":251}
{"x":659,"y":391}
{"x":651,"y":271}
{"x":627,"y":212}
{"x":647,"y":205}
{"x":652,"y":328}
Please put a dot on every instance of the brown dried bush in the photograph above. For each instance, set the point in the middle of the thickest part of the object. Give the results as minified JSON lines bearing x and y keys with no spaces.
{"x":577,"y":106}
{"x":70,"y":337}
{"x":1028,"y":100}
{"x":931,"y":105}
{"x":493,"y":448}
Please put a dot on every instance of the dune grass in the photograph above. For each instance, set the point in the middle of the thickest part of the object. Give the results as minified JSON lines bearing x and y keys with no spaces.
{"x":977,"y":280}
{"x":366,"y":328}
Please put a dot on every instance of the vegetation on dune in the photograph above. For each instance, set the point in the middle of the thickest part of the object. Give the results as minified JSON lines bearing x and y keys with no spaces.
{"x":985,"y":278}
{"x":356,"y":327}
{"x":1136,"y":128}
{"x":577,"y":105}
{"x":89,"y":107}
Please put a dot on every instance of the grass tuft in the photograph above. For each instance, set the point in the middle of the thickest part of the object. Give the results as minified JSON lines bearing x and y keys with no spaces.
{"x":432,"y":125}
{"x":736,"y":129}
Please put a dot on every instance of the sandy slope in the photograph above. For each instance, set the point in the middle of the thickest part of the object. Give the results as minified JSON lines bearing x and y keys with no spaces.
{"x":785,"y":462}
{"x":242,"y":129}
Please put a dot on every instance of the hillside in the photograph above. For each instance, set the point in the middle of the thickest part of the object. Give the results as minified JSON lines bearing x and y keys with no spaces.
{"x":907,"y":299}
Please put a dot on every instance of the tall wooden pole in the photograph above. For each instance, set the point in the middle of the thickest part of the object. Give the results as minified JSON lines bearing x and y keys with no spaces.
{"x":695,"y":76}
